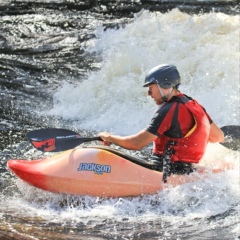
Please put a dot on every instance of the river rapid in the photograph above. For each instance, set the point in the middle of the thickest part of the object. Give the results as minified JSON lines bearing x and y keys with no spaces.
{"x":80,"y":65}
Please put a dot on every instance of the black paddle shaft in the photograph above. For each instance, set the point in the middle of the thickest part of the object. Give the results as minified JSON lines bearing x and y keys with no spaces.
{"x":56,"y":140}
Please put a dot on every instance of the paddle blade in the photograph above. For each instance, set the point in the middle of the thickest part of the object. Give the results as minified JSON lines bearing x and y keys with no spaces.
{"x":56,"y":140}
{"x":232,"y":137}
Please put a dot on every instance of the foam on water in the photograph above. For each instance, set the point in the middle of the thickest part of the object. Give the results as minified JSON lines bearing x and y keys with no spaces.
{"x":205,"y":48}
{"x":209,"y":204}
{"x":218,"y":194}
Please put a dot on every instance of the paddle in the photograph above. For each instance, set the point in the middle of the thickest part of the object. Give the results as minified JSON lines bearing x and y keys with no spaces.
{"x":231,"y":137}
{"x":56,"y":140}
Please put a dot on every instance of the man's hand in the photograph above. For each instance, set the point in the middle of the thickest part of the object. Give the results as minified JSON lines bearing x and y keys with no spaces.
{"x":105,"y":137}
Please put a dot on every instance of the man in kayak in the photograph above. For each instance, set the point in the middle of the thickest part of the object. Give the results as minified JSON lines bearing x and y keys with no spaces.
{"x":180,"y":129}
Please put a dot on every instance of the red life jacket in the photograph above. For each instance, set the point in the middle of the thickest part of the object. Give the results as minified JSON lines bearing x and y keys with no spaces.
{"x":192,"y":146}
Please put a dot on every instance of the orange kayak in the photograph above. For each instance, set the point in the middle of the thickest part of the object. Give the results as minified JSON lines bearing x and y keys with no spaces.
{"x":95,"y":171}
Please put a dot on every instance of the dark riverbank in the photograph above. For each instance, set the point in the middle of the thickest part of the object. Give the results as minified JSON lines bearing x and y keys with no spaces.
{"x":122,"y":8}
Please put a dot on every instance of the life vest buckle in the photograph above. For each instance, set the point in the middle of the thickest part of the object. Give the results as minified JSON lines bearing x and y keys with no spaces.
{"x":167,"y":167}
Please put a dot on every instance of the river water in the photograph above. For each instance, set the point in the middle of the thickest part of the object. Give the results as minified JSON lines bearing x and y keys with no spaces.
{"x":80,"y":65}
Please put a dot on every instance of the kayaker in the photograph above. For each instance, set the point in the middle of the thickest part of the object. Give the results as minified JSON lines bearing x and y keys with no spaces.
{"x":180,"y":129}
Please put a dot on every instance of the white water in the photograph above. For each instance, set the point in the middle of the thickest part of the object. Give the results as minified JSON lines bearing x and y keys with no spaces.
{"x":205,"y":49}
{"x":188,"y":210}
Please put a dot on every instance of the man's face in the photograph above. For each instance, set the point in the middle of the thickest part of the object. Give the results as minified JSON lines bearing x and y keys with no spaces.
{"x":153,"y":91}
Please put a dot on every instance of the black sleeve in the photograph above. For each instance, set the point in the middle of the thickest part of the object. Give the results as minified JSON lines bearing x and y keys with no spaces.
{"x":153,"y":126}
{"x":158,"y":119}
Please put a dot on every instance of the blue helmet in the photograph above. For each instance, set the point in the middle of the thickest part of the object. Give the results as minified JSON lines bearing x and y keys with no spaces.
{"x":166,"y":76}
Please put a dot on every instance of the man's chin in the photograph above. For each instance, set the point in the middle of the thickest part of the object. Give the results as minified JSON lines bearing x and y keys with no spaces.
{"x":159,"y":102}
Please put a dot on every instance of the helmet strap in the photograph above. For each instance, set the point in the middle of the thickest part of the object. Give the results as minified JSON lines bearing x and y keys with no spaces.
{"x":165,"y":98}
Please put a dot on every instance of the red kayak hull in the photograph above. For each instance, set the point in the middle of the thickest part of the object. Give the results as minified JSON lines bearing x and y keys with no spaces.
{"x":94,"y":172}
